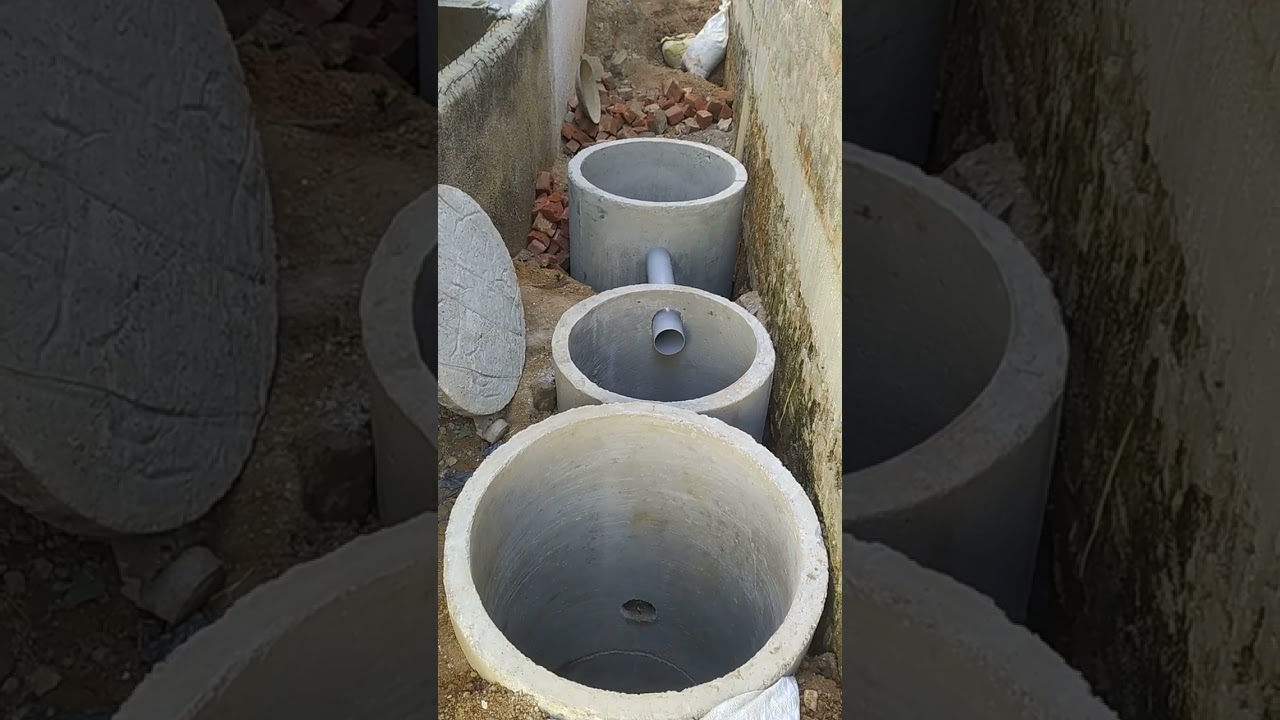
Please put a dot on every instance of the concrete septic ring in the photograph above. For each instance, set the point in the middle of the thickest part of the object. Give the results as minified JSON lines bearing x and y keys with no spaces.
{"x":634,"y":562}
{"x":398,"y":326}
{"x":344,"y":636}
{"x":929,"y":647}
{"x":958,"y":358}
{"x":628,"y":196}
{"x":603,"y":350}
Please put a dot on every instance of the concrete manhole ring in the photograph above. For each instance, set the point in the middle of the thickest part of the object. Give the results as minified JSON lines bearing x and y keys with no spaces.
{"x":603,"y":353}
{"x":957,"y":357}
{"x":933,"y":648}
{"x":627,"y":196}
{"x":604,"y":541}
{"x":341,"y":637}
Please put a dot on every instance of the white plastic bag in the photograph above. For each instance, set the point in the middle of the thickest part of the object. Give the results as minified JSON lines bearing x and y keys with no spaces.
{"x":781,"y":701}
{"x":707,"y":49}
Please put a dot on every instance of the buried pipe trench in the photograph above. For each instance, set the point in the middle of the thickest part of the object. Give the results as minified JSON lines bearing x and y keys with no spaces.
{"x":943,"y":650}
{"x":628,"y":196}
{"x":958,"y":363}
{"x":633,"y":561}
{"x":603,"y":352}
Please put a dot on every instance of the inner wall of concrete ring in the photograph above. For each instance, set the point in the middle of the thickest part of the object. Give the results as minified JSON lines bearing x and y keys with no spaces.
{"x":603,"y":353}
{"x":501,"y":102}
{"x":398,"y":328}
{"x":788,"y":138}
{"x":629,"y":196}
{"x":340,"y":637}
{"x":942,"y":650}
{"x":959,"y":371}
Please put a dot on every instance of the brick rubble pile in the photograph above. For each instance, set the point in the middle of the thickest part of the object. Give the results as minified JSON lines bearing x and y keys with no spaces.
{"x":626,"y":113}
{"x":548,"y":241}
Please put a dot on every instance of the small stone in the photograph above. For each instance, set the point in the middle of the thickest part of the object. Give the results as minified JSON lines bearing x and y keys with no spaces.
{"x":618,"y":57}
{"x":450,"y":461}
{"x":495,"y":431}
{"x":185,"y":586}
{"x":751,"y":302}
{"x":811,"y":699}
{"x":463,"y":431}
{"x":15,"y":583}
{"x":43,"y":680}
{"x":725,"y":124}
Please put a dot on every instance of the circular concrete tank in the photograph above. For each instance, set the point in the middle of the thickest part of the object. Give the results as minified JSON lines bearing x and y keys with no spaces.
{"x":349,"y":635}
{"x":398,"y":326}
{"x":957,"y":357}
{"x":633,"y":561}
{"x":603,"y":349}
{"x":941,"y":650}
{"x":628,"y":196}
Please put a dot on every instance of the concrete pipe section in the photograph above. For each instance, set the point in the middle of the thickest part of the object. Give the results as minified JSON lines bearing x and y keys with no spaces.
{"x":628,"y":196}
{"x":398,"y":325}
{"x":605,"y":350}
{"x":347,"y":636}
{"x":957,"y":356}
{"x":633,"y":561}
{"x":926,"y":646}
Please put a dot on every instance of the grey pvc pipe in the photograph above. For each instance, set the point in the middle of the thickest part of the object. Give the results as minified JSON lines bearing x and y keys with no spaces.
{"x":668,"y":328}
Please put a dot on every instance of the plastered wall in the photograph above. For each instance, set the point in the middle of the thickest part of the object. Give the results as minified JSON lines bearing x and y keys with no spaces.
{"x":1151,"y":131}
{"x":788,"y":137}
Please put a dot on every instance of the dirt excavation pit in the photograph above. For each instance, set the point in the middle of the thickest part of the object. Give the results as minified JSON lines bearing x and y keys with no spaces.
{"x":586,"y":564}
{"x":628,"y":196}
{"x":958,"y":363}
{"x":604,"y":352}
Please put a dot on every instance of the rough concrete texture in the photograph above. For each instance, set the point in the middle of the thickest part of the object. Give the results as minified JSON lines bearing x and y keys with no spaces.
{"x":629,"y":196}
{"x":480,"y":315}
{"x":1165,"y":511}
{"x":603,"y":351}
{"x":460,"y":26}
{"x":959,"y":364}
{"x":925,"y":646}
{"x":137,"y":265}
{"x":787,"y":115}
{"x":569,"y":18}
{"x":398,"y":328}
{"x":498,"y":118}
{"x":898,"y":47}
{"x":349,"y":635}
{"x":694,"y":564}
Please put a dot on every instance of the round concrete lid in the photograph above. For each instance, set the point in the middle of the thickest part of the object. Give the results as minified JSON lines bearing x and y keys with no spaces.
{"x":481,"y":316}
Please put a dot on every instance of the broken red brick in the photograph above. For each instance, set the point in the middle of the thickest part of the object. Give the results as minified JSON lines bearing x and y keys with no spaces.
{"x":573,"y":102}
{"x":645,"y":133}
{"x":551,"y":211}
{"x":674,"y":92}
{"x":544,"y":226}
{"x":566,"y":131}
{"x":689,"y":111}
{"x":664,"y":102}
{"x":697,"y":102}
{"x":610,"y":124}
{"x":726,"y":112}
{"x":557,"y":197}
{"x":568,"y":117}
{"x":714,"y":106}
{"x":538,"y":244}
{"x":542,"y":184}
{"x":627,"y":133}
{"x":583,"y":138}
{"x":630,"y":116}
{"x":674,"y":114}
{"x":641,"y":122}
{"x":618,"y":109}
{"x":704,"y":119}
{"x":572,"y":146}
{"x":656,"y":122}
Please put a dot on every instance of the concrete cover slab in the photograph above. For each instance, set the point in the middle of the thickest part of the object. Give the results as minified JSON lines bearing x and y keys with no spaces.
{"x":481,"y":316}
{"x":137,"y":264}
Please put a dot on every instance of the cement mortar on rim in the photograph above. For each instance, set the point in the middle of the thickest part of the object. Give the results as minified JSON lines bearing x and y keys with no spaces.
{"x":958,"y":376}
{"x":395,"y":318}
{"x":341,"y":637}
{"x":926,"y":646}
{"x":603,"y":353}
{"x":628,"y":196}
{"x":682,"y":490}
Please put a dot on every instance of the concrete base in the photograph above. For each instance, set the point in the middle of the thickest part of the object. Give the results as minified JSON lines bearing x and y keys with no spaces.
{"x":956,"y":383}
{"x":347,"y":636}
{"x":398,"y":324}
{"x":628,"y":196}
{"x":603,"y":352}
{"x":932,"y":648}
{"x":633,"y":548}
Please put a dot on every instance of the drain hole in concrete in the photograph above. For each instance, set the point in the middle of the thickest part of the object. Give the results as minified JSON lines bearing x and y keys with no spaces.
{"x":639,"y":611}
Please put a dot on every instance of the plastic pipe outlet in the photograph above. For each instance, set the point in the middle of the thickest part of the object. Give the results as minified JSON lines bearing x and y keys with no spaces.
{"x":668,"y":328}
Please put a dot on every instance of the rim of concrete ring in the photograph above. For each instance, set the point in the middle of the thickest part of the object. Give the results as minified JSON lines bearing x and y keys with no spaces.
{"x":386,"y":305}
{"x":466,"y":72}
{"x":761,"y":369}
{"x":736,"y":187}
{"x":1020,"y":394}
{"x":176,"y":688}
{"x":573,"y":701}
{"x":970,"y":622}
